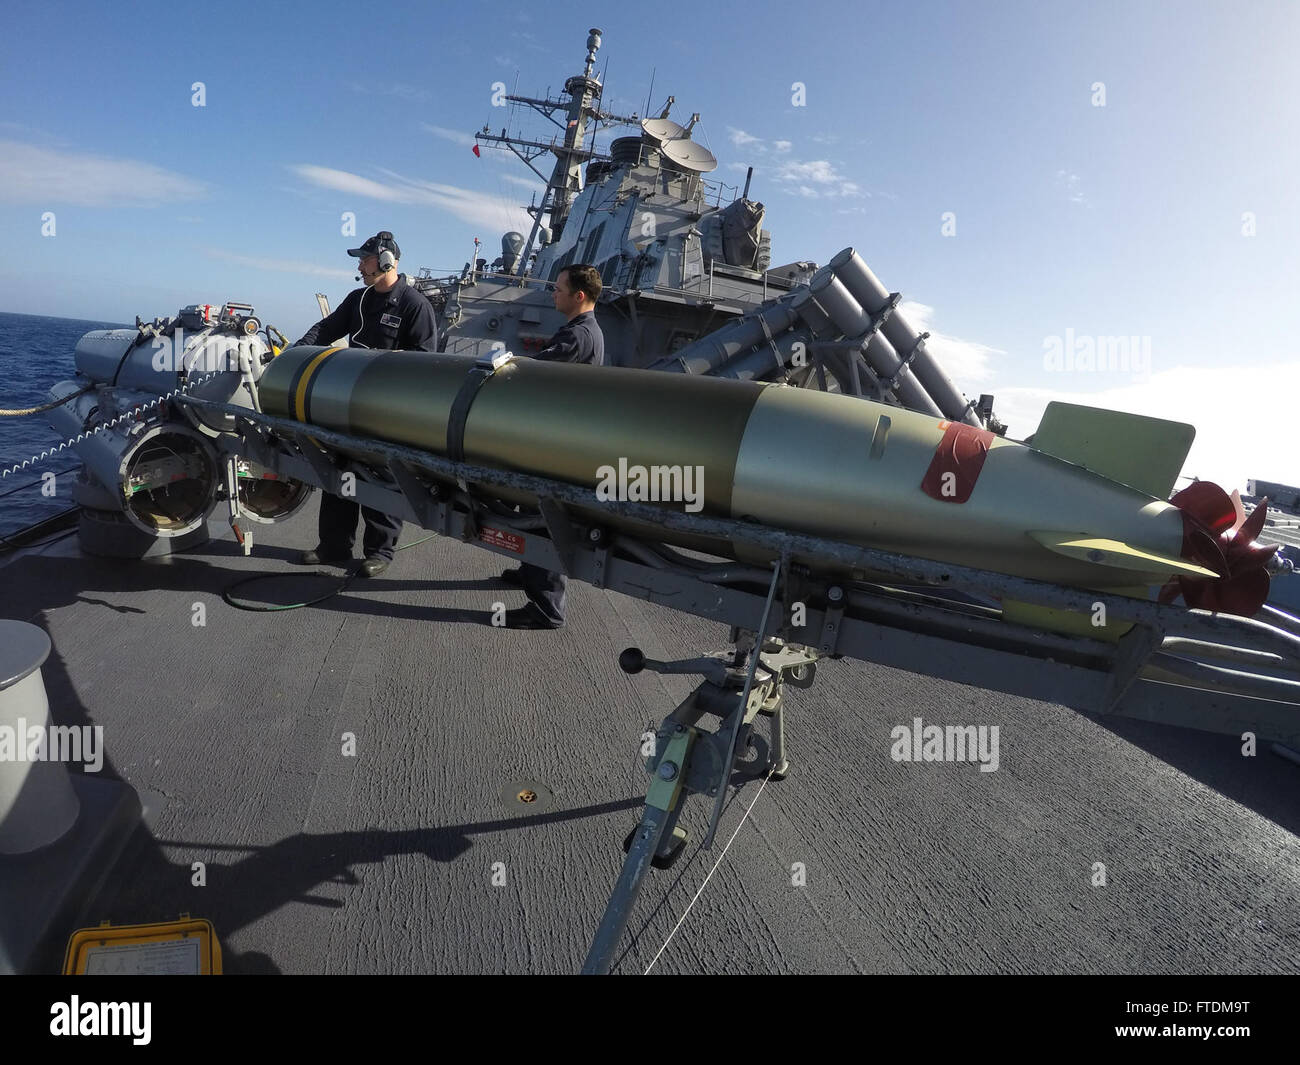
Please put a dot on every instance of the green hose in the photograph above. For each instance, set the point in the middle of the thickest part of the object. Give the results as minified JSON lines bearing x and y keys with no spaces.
{"x":261,"y":608}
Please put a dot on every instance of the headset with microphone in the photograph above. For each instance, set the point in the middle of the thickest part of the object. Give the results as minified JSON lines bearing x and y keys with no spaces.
{"x":386,"y":254}
{"x":387,"y":251}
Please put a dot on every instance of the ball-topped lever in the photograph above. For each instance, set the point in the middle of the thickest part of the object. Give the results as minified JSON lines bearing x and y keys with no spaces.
{"x":632,"y":660}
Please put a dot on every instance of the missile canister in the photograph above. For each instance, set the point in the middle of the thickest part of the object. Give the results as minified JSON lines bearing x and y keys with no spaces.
{"x":827,"y":465}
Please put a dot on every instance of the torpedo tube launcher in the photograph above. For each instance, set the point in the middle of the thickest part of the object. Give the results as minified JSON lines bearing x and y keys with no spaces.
{"x":153,"y":467}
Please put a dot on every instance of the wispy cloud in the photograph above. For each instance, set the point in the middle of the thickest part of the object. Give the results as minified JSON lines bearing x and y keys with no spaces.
{"x":815,"y":178}
{"x":456,"y":136}
{"x":811,"y":179}
{"x":469,"y":206}
{"x":967,"y":362}
{"x":284,"y":266}
{"x":523,"y":182}
{"x":341,"y":181}
{"x":52,"y":177}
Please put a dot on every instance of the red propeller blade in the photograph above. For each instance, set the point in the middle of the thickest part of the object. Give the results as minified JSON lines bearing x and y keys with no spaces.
{"x":1242,"y":595}
{"x":1250,"y":528}
{"x":1207,"y":503}
{"x":1218,"y":536}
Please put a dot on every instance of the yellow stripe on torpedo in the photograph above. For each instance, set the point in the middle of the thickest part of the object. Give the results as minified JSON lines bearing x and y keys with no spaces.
{"x":300,"y":397}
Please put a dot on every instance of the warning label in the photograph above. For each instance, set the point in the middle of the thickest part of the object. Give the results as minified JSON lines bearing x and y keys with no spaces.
{"x":500,"y":538}
{"x":177,"y":957}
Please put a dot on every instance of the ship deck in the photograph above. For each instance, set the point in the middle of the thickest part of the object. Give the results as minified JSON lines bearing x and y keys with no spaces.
{"x":384,"y":862}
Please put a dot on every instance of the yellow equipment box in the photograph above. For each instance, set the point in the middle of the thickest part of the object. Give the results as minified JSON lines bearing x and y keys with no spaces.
{"x":187,"y":947}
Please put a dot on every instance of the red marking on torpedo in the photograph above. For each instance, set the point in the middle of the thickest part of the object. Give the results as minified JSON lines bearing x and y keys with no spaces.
{"x":957,"y":462}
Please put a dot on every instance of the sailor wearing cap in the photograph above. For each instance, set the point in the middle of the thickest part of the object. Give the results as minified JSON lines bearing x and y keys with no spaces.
{"x":388,"y":314}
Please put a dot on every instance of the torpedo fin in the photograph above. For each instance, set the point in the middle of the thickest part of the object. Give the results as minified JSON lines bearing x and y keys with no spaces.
{"x":1141,"y":452}
{"x":1119,"y":555}
{"x":1093,"y":625}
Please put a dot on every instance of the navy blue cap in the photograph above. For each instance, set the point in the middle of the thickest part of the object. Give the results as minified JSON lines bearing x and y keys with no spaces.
{"x":373,"y":246}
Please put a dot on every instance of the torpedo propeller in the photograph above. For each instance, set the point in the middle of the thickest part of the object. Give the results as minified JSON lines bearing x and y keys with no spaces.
{"x":1218,"y":535}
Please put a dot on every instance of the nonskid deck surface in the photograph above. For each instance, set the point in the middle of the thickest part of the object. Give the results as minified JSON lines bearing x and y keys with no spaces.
{"x":232,"y":731}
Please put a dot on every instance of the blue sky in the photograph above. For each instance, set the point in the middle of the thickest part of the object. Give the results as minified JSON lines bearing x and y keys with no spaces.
{"x":1168,"y":214}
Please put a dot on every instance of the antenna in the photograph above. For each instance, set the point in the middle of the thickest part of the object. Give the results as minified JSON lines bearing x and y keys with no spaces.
{"x":650,"y":91}
{"x":574,"y":119}
{"x":675,"y":143}
{"x":593,"y":46}
{"x":595,"y":125}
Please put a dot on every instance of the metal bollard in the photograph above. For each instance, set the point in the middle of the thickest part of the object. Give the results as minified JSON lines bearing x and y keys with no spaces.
{"x":37,"y":802}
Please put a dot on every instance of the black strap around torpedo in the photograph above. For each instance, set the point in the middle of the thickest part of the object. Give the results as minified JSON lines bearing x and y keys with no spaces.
{"x":484,"y":367}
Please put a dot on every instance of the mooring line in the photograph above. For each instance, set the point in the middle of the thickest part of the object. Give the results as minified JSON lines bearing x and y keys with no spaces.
{"x":108,"y":425}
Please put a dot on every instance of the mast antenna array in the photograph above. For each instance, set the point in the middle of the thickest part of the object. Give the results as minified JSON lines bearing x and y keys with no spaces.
{"x":565,"y":181}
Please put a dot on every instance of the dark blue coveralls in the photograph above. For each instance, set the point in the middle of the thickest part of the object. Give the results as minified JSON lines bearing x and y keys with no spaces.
{"x":398,"y":320}
{"x":578,"y":340}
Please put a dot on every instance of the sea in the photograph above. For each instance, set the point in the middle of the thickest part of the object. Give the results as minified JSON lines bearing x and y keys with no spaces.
{"x":35,"y":353}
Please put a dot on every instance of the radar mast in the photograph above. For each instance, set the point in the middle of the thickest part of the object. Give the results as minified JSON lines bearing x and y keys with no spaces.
{"x":570,"y":153}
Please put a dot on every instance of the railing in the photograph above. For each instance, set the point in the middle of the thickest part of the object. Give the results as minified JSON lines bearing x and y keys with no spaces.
{"x":700,"y":285}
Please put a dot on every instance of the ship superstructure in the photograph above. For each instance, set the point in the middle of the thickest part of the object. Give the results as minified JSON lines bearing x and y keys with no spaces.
{"x":679,"y":255}
{"x":686,"y":269}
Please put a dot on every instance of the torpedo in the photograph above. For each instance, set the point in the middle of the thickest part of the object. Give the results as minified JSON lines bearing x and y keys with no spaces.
{"x":837,"y":467}
{"x":637,"y":484}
